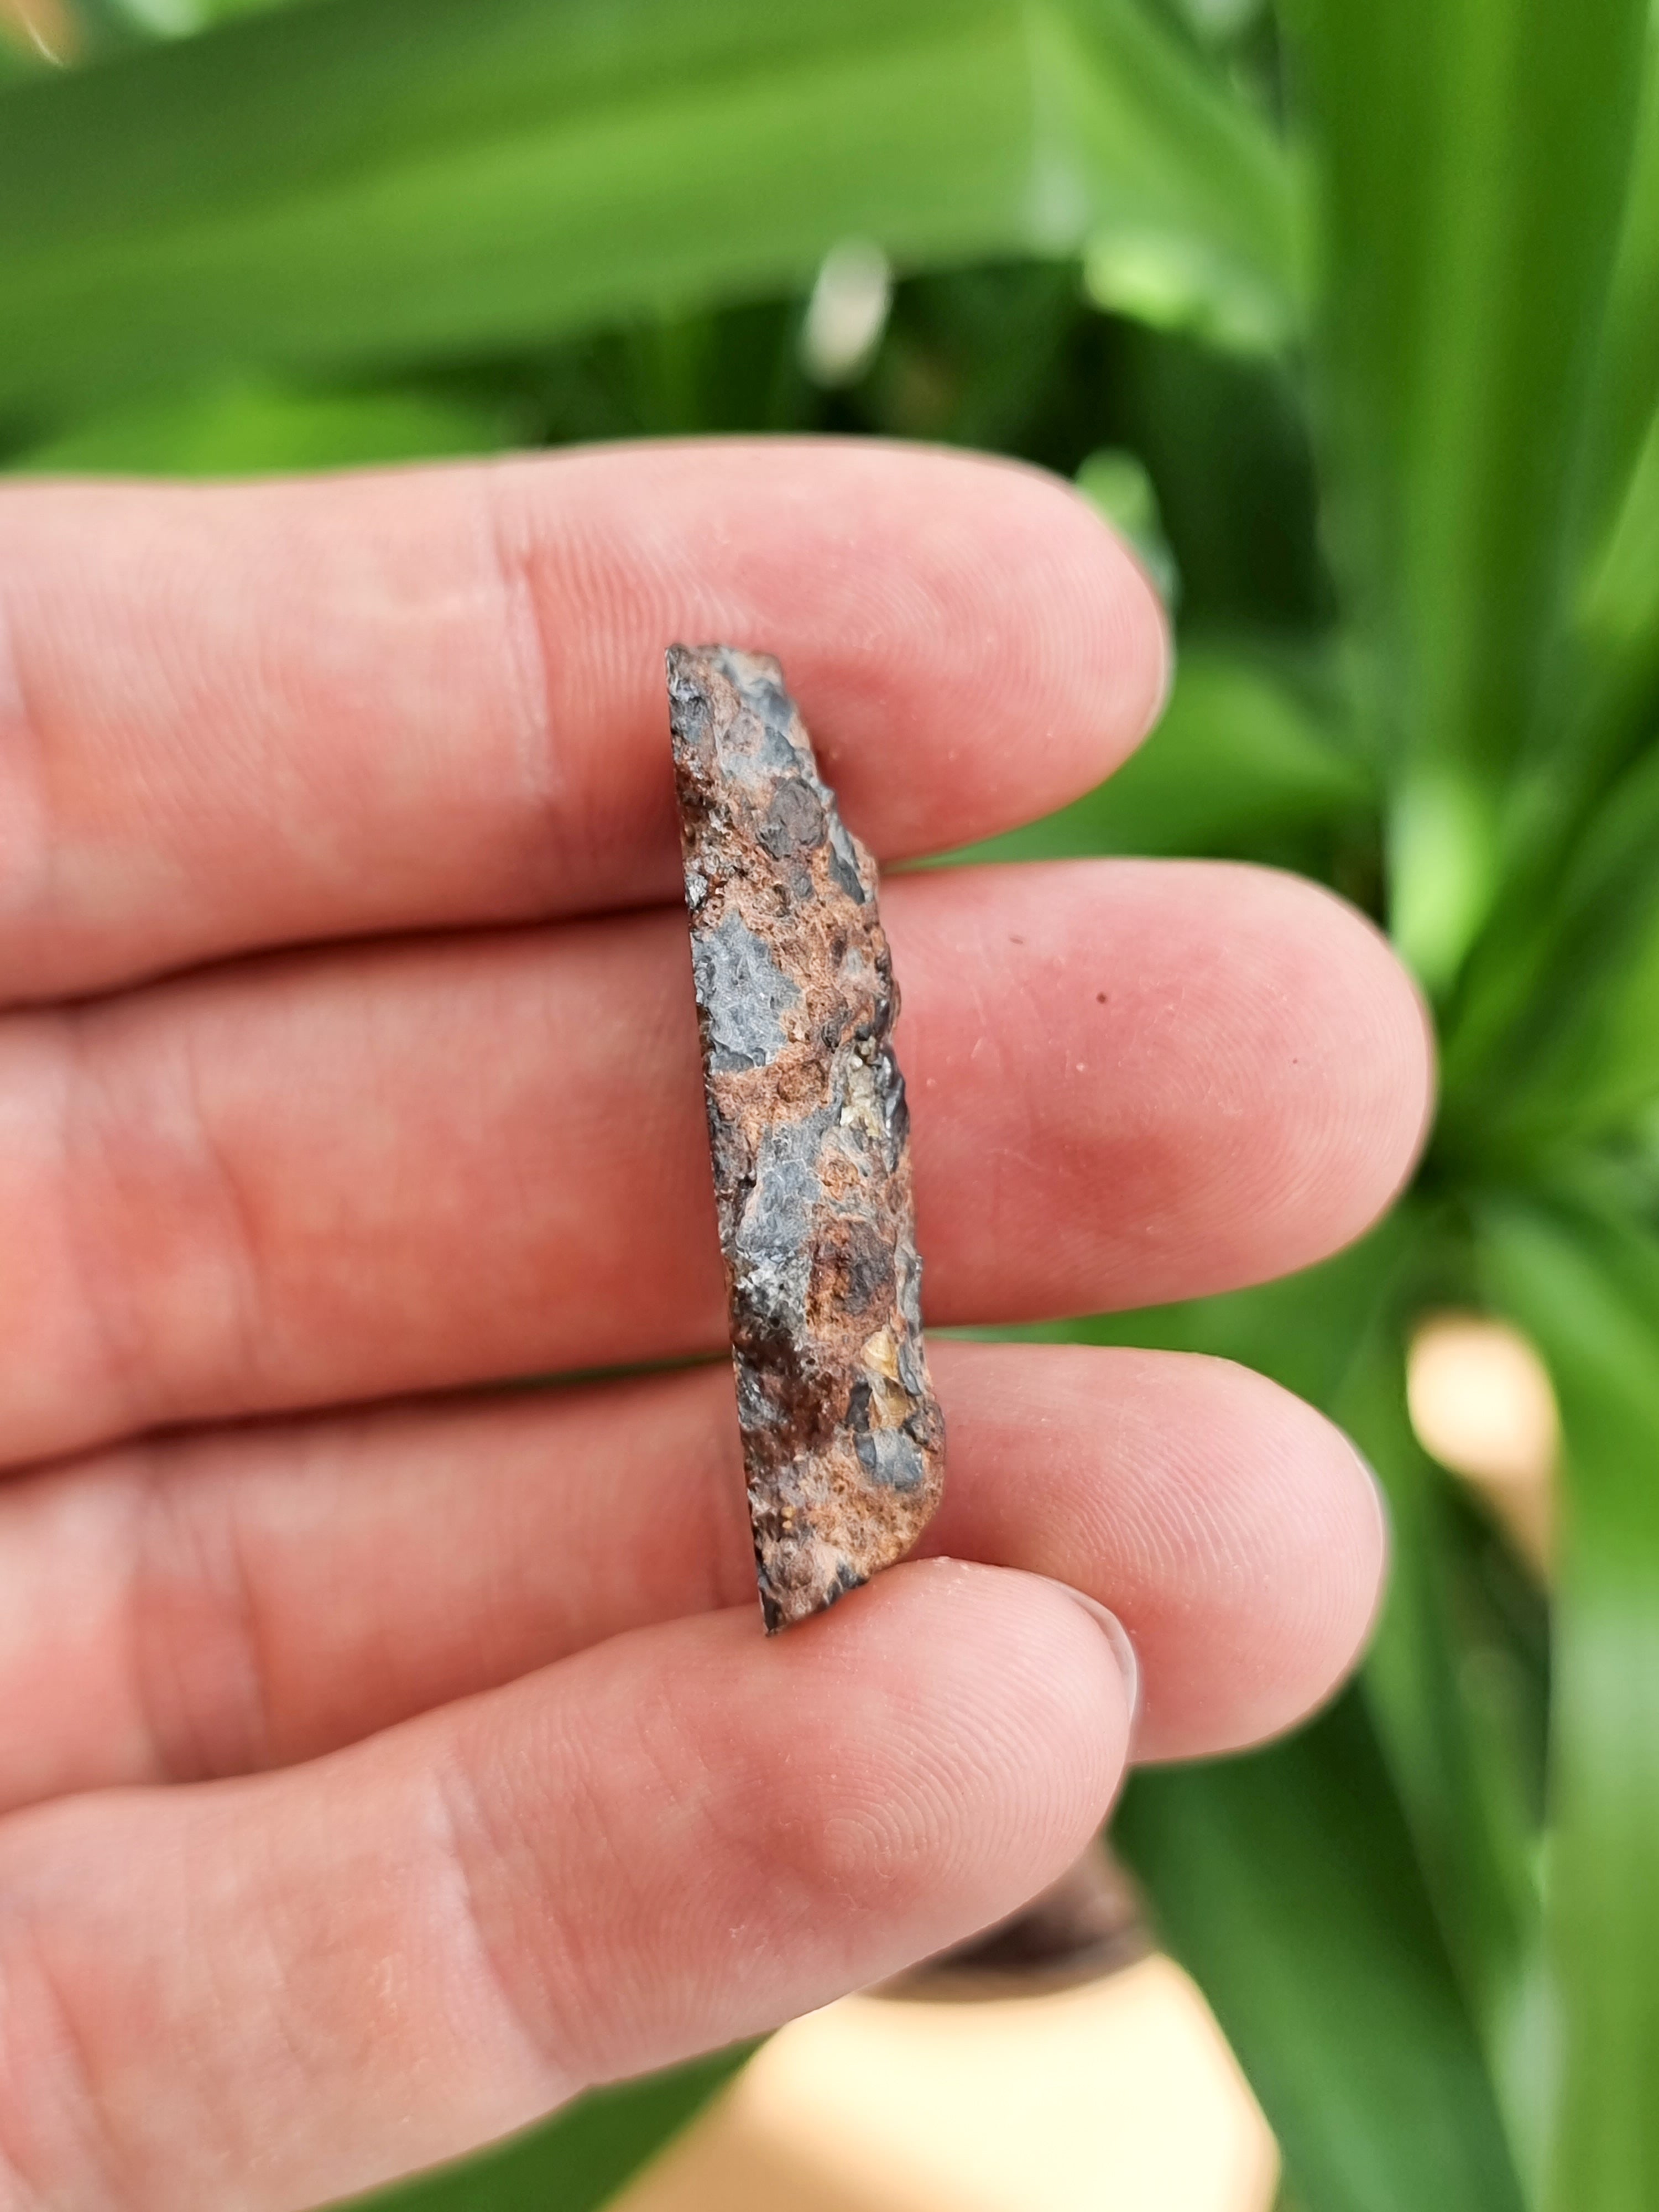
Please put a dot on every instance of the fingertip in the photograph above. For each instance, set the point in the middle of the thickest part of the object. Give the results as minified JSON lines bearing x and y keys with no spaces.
{"x":1384,"y":1100}
{"x":1145,"y":659}
{"x":1329,"y":1036}
{"x":1018,"y":1678}
{"x":1097,"y":659}
{"x":1194,"y":1076}
{"x":1231,"y":1527}
{"x":1291,"y":1621}
{"x":956,"y":1733}
{"x":977,"y":650}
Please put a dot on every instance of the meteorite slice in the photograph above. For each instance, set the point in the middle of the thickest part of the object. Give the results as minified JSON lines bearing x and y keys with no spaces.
{"x":843,"y":1441}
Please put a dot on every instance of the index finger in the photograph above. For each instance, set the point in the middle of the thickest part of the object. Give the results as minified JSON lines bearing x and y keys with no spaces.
{"x":245,"y":716}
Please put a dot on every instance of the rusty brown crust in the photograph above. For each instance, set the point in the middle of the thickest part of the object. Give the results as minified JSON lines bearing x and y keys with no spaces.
{"x":842,"y":1438}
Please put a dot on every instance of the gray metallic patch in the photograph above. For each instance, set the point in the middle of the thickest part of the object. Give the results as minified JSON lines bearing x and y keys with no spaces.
{"x":771,"y":1250}
{"x":890,"y":1457}
{"x":742,"y":991}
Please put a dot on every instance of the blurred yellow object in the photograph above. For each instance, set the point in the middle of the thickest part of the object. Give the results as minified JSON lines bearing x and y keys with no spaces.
{"x":1482,"y":1404}
{"x":45,"y":25}
{"x":1119,"y":2096}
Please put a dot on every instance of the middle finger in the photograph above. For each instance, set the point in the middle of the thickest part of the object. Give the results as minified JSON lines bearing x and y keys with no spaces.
{"x":342,"y":1175}
{"x":208,"y":1604}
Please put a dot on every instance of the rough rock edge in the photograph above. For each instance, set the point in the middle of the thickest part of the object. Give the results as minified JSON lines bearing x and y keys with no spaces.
{"x":843,"y":1440}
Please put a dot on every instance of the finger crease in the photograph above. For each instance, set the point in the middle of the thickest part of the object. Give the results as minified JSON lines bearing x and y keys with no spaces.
{"x":199,"y":1667}
{"x":459,"y":1813}
{"x":84,"y":1178}
{"x":131,"y":1152}
{"x":530,"y":655}
{"x":239,"y":1243}
{"x":55,"y":2134}
{"x":26,"y":840}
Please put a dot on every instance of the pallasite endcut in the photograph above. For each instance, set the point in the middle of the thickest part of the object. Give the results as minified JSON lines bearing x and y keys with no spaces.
{"x":843,"y":1441}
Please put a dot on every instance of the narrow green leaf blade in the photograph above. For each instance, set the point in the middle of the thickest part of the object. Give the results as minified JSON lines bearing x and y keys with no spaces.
{"x":1472,"y":159}
{"x":1293,"y":1883}
{"x":1616,"y":586}
{"x":1627,"y":376}
{"x":1557,"y":1039}
{"x":360,"y":182}
{"x":1286,"y":1882}
{"x":1458,"y":1700}
{"x":1618,"y":602}
{"x":1587,"y":1286}
{"x":1617,"y":612}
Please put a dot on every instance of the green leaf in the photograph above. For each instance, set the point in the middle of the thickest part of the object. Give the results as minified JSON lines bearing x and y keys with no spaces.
{"x":1115,"y":481}
{"x":1304,"y":1330}
{"x":1176,"y":281}
{"x":245,"y":426}
{"x":1617,"y":603}
{"x":979,"y":356}
{"x":1455,"y":1771}
{"x":177,"y":19}
{"x":581,"y":2158}
{"x":20,"y":59}
{"x":1458,"y":1699}
{"x":1560,"y":1042}
{"x":1225,"y":441}
{"x":1247,"y":760}
{"x":1286,"y":1882}
{"x":1618,"y":609}
{"x":1587,"y":1287}
{"x":338,"y":186}
{"x":1472,"y":159}
{"x":1627,"y":376}
{"x":1178,"y":268}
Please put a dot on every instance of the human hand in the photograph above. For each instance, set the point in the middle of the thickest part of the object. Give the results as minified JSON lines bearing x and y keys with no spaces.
{"x":378,"y":1772}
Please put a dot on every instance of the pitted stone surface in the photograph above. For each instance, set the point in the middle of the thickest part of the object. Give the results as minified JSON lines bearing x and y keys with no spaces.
{"x":842,"y":1438}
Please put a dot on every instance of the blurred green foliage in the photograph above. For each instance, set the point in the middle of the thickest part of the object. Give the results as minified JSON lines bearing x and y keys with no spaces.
{"x":580,"y":2161}
{"x":1349,"y":316}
